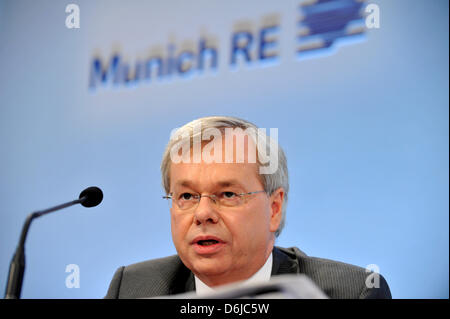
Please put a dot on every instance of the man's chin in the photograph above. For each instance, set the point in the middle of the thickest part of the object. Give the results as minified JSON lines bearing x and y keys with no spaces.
{"x":209,"y":267}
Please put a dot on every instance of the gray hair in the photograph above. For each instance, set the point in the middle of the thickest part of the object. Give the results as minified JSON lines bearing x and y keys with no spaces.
{"x":271,"y":182}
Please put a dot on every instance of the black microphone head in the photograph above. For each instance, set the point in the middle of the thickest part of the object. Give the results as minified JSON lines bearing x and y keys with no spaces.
{"x":92,"y":196}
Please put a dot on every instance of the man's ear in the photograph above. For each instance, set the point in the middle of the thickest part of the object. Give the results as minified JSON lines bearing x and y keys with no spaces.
{"x":276,"y":208}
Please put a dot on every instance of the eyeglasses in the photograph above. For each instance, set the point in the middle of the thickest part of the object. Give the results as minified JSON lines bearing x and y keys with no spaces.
{"x":185,"y":201}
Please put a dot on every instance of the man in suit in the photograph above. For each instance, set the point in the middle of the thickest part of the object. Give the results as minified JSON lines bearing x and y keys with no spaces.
{"x":228,"y":200}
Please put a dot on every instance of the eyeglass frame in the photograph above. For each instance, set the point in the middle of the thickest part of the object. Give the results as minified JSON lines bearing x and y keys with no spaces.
{"x":213,"y":197}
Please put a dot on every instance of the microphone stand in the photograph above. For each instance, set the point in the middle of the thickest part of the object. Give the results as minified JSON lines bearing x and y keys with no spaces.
{"x":17,"y":266}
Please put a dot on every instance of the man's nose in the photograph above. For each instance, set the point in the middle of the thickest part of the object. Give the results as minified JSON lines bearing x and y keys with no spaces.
{"x":206,"y":211}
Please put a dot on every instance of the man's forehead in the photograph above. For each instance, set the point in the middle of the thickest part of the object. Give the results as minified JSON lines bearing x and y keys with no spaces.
{"x":233,"y":147}
{"x":229,"y":169}
{"x":217,"y":174}
{"x":222,"y":183}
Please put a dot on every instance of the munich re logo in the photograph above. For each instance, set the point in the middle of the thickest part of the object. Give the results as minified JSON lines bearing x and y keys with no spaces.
{"x":320,"y":27}
{"x":323,"y":22}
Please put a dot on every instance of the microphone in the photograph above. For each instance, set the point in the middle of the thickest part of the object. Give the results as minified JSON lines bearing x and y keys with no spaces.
{"x":90,"y":197}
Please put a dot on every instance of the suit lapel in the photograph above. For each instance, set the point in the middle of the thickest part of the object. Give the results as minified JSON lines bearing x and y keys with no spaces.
{"x":183,"y":281}
{"x":284,"y":262}
{"x":190,"y":283}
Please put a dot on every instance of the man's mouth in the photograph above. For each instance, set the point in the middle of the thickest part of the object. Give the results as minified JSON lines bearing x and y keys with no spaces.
{"x":207,"y":242}
{"x":207,"y":245}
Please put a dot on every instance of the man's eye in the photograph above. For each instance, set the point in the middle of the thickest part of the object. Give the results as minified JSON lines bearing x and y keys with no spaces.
{"x":186,"y":196}
{"x":228,"y":195}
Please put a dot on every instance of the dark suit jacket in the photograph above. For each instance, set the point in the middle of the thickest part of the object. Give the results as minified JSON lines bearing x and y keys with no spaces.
{"x":168,"y":276}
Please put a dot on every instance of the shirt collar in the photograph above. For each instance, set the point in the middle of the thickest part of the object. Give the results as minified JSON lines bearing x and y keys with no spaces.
{"x":262,"y":275}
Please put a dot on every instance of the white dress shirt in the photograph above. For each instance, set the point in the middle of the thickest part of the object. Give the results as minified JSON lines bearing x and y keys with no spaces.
{"x":262,"y":275}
